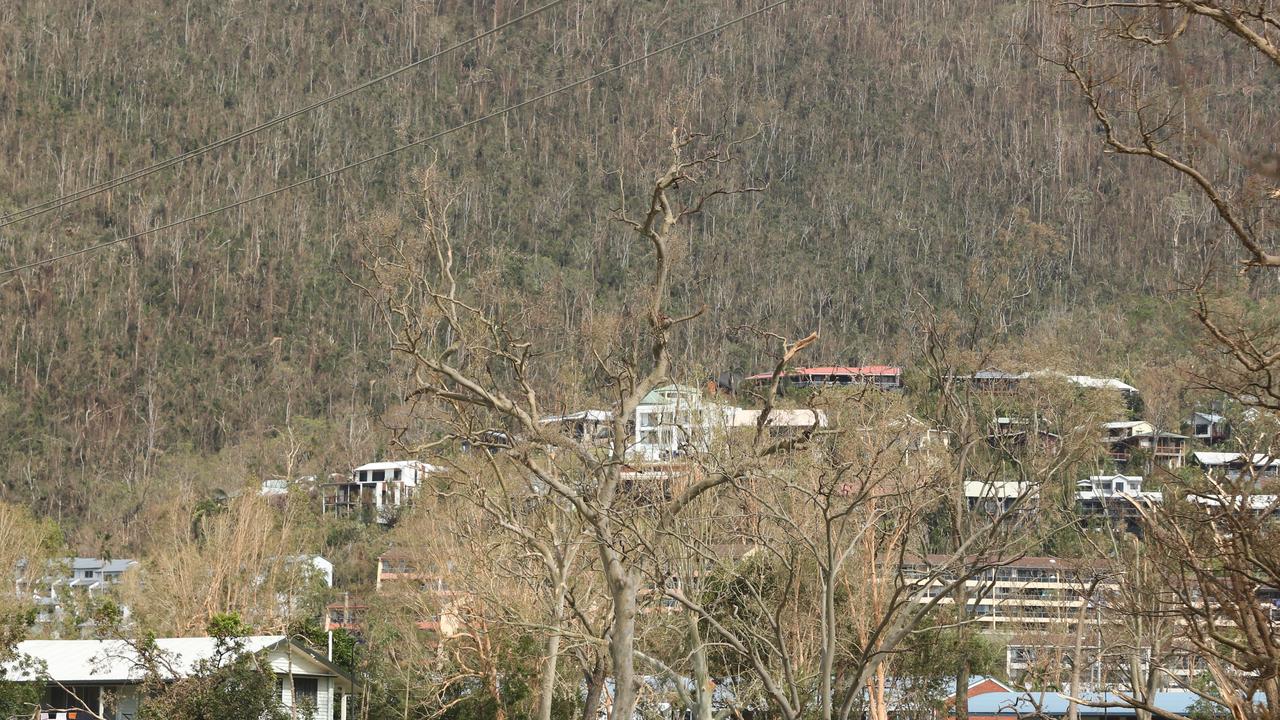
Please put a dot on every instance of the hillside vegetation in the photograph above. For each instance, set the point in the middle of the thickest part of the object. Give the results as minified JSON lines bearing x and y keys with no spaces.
{"x":913,"y":155}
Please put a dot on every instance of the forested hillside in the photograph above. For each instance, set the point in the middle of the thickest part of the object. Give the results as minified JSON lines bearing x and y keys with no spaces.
{"x":912,"y":155}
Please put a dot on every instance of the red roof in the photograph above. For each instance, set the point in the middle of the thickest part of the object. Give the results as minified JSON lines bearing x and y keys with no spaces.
{"x":865,"y":371}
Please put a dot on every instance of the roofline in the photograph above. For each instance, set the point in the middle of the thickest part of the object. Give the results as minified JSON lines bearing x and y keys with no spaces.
{"x":314,"y":656}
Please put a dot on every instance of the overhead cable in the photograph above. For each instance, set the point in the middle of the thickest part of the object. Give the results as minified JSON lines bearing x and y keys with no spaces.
{"x":421,"y":141}
{"x":87,"y":192}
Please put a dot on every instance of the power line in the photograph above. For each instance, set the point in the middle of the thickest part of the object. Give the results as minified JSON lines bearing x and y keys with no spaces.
{"x":401,"y":148}
{"x":78,"y":195}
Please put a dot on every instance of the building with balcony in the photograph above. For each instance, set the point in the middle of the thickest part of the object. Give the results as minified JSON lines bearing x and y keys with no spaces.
{"x":376,"y":491}
{"x":1033,"y":592}
{"x":1159,"y":449}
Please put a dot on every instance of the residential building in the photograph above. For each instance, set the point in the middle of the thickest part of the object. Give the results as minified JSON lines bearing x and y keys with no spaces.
{"x":1022,"y":593}
{"x":673,"y":420}
{"x":998,"y":382}
{"x":377,"y":490}
{"x":1117,"y":498}
{"x":346,"y":614}
{"x":1161,"y":449}
{"x":399,"y":571}
{"x":880,"y":377}
{"x":104,"y":677}
{"x":1208,"y":428}
{"x":1121,"y":429}
{"x":276,"y":486}
{"x":587,"y":425}
{"x":995,"y":496}
{"x":1235,"y":464}
{"x":68,"y":586}
{"x":994,"y":382}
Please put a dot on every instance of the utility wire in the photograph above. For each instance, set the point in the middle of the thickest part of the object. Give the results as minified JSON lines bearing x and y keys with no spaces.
{"x":401,"y":148}
{"x":73,"y":197}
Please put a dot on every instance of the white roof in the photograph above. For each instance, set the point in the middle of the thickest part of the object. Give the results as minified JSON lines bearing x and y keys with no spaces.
{"x":1087,"y":381}
{"x":78,"y":661}
{"x":999,"y":490}
{"x":1124,"y":424}
{"x":591,"y":415}
{"x":1256,"y":502}
{"x":778,"y":417}
{"x":398,"y":465}
{"x":1093,"y":382}
{"x":1227,"y":458}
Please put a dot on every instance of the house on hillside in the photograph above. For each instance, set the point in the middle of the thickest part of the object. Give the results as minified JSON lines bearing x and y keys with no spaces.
{"x":994,"y":382}
{"x":591,"y":426}
{"x":1160,"y":449}
{"x":673,"y":420}
{"x":1208,"y":428}
{"x":880,"y":377}
{"x":68,"y":586}
{"x":1117,"y":498}
{"x":1017,"y":594}
{"x":995,"y":496}
{"x":104,"y":677}
{"x":346,"y":614}
{"x":1235,"y":464}
{"x":402,"y":571}
{"x":1121,"y":429}
{"x":377,"y":490}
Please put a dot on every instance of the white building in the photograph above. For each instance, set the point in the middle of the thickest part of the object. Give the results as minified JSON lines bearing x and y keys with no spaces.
{"x":377,"y":489}
{"x":70,"y":582}
{"x":673,"y":420}
{"x":103,"y":676}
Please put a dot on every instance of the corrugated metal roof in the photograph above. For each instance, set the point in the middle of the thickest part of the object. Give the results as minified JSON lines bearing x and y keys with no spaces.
{"x":862,"y":371}
{"x":80,"y":661}
{"x":1051,"y":703}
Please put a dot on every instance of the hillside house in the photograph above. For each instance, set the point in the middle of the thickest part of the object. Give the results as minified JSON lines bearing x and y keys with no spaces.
{"x":880,"y":377}
{"x":1162,"y":449}
{"x":104,"y":677}
{"x":71,"y":582}
{"x":376,"y":490}
{"x":1208,"y":428}
{"x":346,"y":614}
{"x":402,"y":571}
{"x":1024,"y":593}
{"x":993,"y":497}
{"x":592,"y":426}
{"x":1235,"y":464}
{"x":994,"y":382}
{"x":673,"y":420}
{"x":1122,"y":429}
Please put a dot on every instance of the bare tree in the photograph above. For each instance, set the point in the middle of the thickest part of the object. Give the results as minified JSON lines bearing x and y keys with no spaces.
{"x":481,"y":379}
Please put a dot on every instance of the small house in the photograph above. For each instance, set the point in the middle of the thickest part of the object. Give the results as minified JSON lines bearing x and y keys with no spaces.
{"x":1208,"y":428}
{"x":1235,"y":464}
{"x":104,"y":677}
{"x":1162,"y":449}
{"x":880,"y":377}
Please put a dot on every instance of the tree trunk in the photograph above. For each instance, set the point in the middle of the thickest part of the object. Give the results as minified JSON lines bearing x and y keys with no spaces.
{"x":622,"y":589}
{"x":704,"y":688}
{"x":550,"y":668}
{"x":595,"y":687}
{"x":963,"y":671}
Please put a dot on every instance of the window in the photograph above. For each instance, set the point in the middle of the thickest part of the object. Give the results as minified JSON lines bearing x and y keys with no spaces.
{"x":379,"y":475}
{"x":306,"y":691}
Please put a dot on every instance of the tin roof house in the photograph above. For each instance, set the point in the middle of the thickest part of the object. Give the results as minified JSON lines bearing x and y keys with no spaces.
{"x":103,"y":678}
